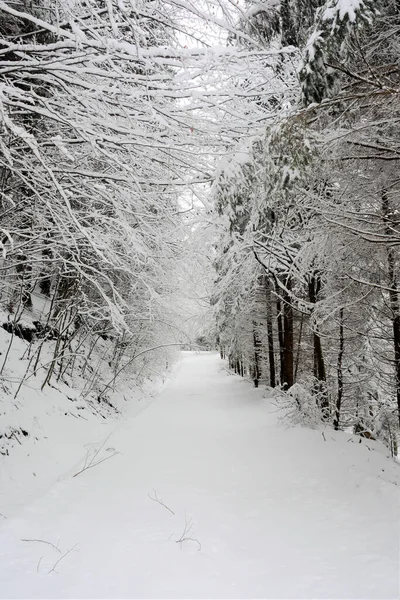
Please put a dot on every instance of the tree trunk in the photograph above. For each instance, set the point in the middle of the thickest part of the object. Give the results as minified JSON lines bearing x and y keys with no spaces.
{"x":257,"y":348}
{"x":287,"y":339}
{"x":281,"y":341}
{"x":289,"y":37}
{"x":314,"y":288}
{"x":339,"y":398}
{"x":296,"y":367}
{"x":393,"y":297}
{"x":270,"y":334}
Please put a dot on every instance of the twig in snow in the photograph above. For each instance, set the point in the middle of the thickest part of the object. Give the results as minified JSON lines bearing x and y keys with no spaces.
{"x":186,"y":537}
{"x":13,"y":433}
{"x":89,"y":464}
{"x":323,"y":435}
{"x":60,"y":559}
{"x":3,"y":516}
{"x":38,"y":565}
{"x":157,"y":499}
{"x":42,"y":542}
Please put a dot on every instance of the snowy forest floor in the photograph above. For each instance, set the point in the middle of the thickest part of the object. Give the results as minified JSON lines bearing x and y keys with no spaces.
{"x":247,"y":507}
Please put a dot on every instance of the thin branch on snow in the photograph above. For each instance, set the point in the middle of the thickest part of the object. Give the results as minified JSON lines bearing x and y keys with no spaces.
{"x":186,"y":534}
{"x":157,"y":499}
{"x":42,"y":542}
{"x":94,"y":460}
{"x":53,"y":569}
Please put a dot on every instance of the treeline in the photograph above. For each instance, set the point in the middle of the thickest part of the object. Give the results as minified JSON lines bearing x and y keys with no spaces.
{"x":307,"y":292}
{"x":112,"y":113}
{"x":92,"y":159}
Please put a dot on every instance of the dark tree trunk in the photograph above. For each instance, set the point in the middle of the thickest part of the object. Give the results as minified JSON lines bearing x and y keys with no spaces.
{"x":270,"y":334}
{"x":396,"y":340}
{"x":393,"y":296}
{"x":287,"y":338}
{"x":314,"y":288}
{"x":319,"y":364}
{"x":281,"y":341}
{"x":289,"y":37}
{"x":257,"y":348}
{"x":339,"y":398}
{"x":296,"y":367}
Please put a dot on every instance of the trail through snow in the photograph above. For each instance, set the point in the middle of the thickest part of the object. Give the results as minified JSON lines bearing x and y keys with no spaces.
{"x":270,"y":511}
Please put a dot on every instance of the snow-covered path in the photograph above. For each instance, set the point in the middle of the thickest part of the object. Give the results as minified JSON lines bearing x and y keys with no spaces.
{"x":272,"y":512}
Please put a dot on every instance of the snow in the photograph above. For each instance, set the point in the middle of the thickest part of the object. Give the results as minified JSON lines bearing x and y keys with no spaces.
{"x":343,"y":9}
{"x":45,"y":433}
{"x":271,"y":511}
{"x":255,"y":9}
{"x":312,"y":42}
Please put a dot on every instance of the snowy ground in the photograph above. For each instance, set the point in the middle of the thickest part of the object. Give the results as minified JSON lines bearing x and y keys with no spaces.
{"x":44,"y":433}
{"x":269,"y":511}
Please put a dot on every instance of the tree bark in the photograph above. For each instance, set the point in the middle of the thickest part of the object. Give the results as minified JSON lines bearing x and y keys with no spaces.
{"x":288,"y":341}
{"x":393,"y":297}
{"x":281,"y":341}
{"x":296,"y":366}
{"x":289,"y":37}
{"x":270,"y":334}
{"x":339,"y":398}
{"x":314,"y":288}
{"x":257,"y":348}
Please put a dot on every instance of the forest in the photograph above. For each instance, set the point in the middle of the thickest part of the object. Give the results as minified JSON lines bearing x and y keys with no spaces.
{"x":307,"y":293}
{"x":199,"y":299}
{"x":211,"y":175}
